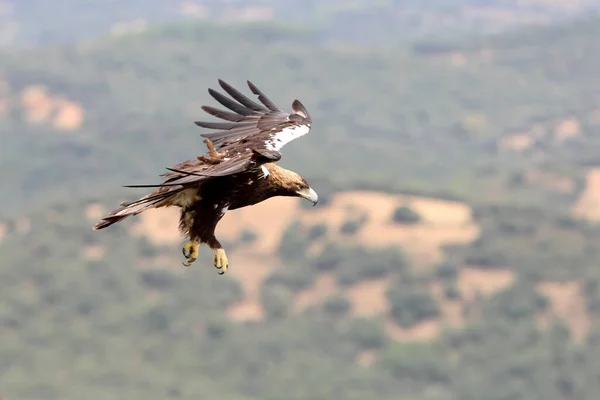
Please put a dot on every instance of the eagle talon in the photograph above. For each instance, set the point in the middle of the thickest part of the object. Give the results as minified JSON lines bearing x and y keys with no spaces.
{"x":220,"y":261}
{"x":190,"y":251}
{"x":188,"y":263}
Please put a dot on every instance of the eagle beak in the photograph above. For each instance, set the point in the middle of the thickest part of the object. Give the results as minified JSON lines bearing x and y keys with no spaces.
{"x":309,"y":194}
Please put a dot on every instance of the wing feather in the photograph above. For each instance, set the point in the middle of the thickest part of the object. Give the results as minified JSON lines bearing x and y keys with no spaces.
{"x":232,"y":105}
{"x":226,"y":115}
{"x":237,"y":95}
{"x":261,"y":96}
{"x":251,"y":124}
{"x":216,"y":125}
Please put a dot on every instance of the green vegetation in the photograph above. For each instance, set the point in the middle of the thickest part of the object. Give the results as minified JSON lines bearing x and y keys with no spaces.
{"x":132,"y":323}
{"x":406,"y":216}
{"x":362,"y":21}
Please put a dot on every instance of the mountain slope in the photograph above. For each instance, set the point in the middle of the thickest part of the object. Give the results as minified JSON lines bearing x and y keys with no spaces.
{"x":428,"y":122}
{"x":370,"y":295}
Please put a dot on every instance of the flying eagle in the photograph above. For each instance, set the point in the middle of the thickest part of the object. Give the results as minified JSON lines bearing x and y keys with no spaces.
{"x":238,"y":170}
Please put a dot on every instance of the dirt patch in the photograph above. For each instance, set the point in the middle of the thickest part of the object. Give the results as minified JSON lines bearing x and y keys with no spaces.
{"x":567,"y":129}
{"x":251,"y":269}
{"x":368,"y":298}
{"x":550,"y":181}
{"x":268,"y":220}
{"x":442,"y":222}
{"x":3,"y":231}
{"x":4,"y":107}
{"x":190,"y":8}
{"x":567,"y":303}
{"x":159,"y":225}
{"x":325,"y":285}
{"x":69,"y":115}
{"x":138,"y":25}
{"x":35,"y":102}
{"x":93,"y":252}
{"x":251,"y":13}
{"x":40,"y":106}
{"x":523,"y":140}
{"x":588,"y":204}
{"x":94,"y":211}
{"x":458,"y":59}
{"x":474,"y":281}
{"x":518,"y":142}
{"x":451,"y":310}
{"x":366,"y":358}
{"x":23,"y":226}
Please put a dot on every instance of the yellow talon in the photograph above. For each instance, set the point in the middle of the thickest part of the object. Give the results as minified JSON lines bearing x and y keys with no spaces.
{"x":190,"y":251}
{"x":220,"y":261}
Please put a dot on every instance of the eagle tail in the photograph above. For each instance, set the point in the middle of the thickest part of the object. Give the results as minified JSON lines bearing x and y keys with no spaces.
{"x":133,"y":208}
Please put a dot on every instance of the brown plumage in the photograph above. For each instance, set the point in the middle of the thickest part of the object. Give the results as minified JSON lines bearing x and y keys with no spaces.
{"x":237,"y":171}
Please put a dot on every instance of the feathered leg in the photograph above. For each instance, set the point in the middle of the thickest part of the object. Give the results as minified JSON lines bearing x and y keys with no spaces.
{"x":215,"y":156}
{"x":190,"y":252}
{"x":220,"y":257}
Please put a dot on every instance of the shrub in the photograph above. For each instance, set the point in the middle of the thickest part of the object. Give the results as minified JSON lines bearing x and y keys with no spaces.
{"x":451,"y":292}
{"x":336,"y":306}
{"x":317,"y":231}
{"x":405,"y":216}
{"x":416,"y":361}
{"x":276,"y":300}
{"x":294,"y":242}
{"x":411,"y":306}
{"x":248,"y":236}
{"x":447,"y":270}
{"x":156,"y":320}
{"x":146,"y":248}
{"x":351,"y":226}
{"x":217,"y":328}
{"x":157,"y":279}
{"x":360,"y":263}
{"x":295,"y":277}
{"x":367,"y":333}
{"x":330,"y":257}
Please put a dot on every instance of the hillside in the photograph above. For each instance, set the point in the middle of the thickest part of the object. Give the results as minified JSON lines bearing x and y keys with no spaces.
{"x":524,"y":113}
{"x":454,"y":254}
{"x":26,"y":22}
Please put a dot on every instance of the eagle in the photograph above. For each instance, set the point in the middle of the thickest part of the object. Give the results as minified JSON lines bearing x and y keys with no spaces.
{"x":237,"y":170}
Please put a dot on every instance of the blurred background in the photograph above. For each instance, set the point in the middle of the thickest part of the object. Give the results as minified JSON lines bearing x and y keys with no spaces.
{"x":454,"y":252}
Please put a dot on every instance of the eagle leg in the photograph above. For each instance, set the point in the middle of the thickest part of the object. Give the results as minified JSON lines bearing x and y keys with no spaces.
{"x":220,"y":260}
{"x":190,"y":252}
{"x":208,"y":160}
{"x":215,"y":156}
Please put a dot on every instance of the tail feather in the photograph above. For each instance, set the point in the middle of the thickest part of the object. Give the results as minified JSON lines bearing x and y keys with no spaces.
{"x":133,"y":208}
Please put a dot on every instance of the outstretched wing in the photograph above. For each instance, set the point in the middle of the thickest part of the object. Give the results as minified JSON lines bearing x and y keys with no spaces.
{"x":180,"y":184}
{"x":193,"y":172}
{"x":261,"y":127}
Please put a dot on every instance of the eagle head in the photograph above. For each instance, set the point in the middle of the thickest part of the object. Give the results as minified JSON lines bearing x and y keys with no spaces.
{"x":289,"y":183}
{"x":303,"y":189}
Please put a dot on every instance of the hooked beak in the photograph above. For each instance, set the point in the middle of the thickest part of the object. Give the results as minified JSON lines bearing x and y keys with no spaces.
{"x":309,"y":194}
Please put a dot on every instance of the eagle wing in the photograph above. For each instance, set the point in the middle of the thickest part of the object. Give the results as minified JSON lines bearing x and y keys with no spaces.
{"x":263,"y":127}
{"x":193,"y":172}
{"x":253,"y":135}
{"x":179,"y":186}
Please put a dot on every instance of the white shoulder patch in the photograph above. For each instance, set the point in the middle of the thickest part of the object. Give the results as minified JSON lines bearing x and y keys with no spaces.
{"x":265,"y":171}
{"x":224,"y":210}
{"x":286,"y":135}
